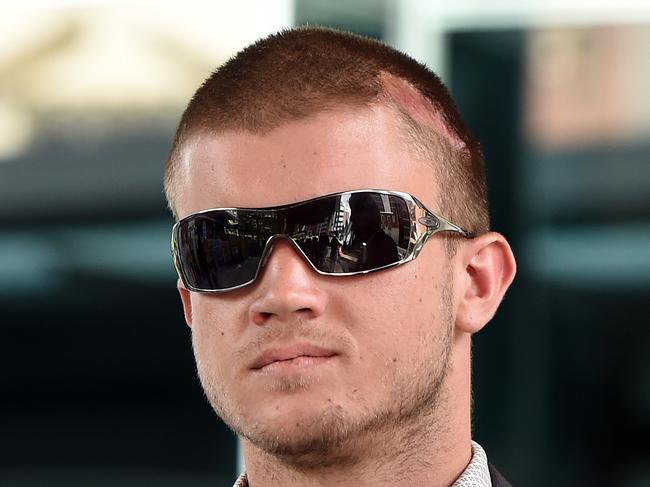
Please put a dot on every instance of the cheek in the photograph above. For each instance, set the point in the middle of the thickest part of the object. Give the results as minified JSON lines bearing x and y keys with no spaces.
{"x":211,"y":334}
{"x":219,"y":315}
{"x":392,"y":315}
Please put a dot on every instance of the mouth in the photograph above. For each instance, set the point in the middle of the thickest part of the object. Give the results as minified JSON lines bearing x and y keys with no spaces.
{"x":292,"y":357}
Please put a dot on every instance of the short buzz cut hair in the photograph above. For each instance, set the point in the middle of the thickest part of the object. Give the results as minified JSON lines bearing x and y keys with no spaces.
{"x":297,"y":73}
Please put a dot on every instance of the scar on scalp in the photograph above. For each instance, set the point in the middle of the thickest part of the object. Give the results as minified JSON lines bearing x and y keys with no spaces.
{"x":417,"y":106}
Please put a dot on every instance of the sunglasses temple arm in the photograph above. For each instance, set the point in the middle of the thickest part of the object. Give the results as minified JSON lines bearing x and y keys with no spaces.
{"x":446,"y":226}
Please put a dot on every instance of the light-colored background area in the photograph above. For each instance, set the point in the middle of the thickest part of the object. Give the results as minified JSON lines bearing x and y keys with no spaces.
{"x":98,"y":385}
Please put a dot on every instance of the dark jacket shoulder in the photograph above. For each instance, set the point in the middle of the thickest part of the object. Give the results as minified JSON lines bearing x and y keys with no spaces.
{"x":497,"y":478}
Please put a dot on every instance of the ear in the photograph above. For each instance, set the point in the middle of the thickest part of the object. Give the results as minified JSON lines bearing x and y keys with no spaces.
{"x":488,"y":268}
{"x":187,"y":302}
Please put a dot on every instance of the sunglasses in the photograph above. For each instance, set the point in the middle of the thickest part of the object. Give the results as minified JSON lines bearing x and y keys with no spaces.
{"x":340,"y":234}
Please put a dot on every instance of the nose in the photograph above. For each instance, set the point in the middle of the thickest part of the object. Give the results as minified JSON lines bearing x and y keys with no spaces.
{"x":288,"y":287}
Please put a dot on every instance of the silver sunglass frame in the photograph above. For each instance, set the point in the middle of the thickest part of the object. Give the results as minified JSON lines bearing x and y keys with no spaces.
{"x":425,"y":223}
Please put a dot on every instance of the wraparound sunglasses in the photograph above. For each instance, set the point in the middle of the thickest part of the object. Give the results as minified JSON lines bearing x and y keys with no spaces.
{"x":340,"y":234}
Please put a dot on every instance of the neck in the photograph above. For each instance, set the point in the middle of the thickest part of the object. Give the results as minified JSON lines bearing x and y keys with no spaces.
{"x":430,"y":450}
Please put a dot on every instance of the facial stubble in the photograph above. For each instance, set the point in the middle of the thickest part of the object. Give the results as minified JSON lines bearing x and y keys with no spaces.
{"x":333,"y":436}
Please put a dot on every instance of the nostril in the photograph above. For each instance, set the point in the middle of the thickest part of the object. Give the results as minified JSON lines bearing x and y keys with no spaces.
{"x":261,"y":317}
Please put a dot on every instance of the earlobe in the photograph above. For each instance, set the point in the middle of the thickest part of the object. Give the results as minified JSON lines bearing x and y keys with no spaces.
{"x":488,"y":269}
{"x":187,"y":302}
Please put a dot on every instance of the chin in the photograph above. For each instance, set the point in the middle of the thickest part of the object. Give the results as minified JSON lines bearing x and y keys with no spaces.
{"x":301,"y":414}
{"x":305,"y":437}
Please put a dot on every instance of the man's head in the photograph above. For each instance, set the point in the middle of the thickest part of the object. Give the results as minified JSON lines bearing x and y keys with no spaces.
{"x":316,"y":369}
{"x":298,"y":73}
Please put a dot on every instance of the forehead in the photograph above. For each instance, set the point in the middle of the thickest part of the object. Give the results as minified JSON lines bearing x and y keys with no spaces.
{"x":332,"y":151}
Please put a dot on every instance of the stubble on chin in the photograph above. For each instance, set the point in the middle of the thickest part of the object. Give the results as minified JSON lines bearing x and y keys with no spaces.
{"x":305,"y":441}
{"x":309,"y":442}
{"x":335,"y":437}
{"x":332,"y":435}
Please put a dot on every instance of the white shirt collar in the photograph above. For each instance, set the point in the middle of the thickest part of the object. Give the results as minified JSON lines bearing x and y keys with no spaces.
{"x":477,"y":473}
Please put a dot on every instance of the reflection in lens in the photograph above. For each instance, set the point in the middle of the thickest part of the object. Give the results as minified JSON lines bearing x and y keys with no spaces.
{"x":351,"y":232}
{"x":378,"y":231}
{"x":217,"y":252}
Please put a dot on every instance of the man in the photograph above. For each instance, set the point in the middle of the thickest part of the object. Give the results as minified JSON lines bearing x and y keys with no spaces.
{"x":353,"y":369}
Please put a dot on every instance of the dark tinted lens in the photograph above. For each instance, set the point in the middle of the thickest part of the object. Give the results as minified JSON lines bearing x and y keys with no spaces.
{"x":376,"y":233}
{"x":222,"y":249}
{"x":313,"y":226}
{"x":352,"y":232}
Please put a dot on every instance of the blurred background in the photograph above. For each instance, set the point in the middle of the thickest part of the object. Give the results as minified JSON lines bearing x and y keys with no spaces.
{"x":97,"y":380}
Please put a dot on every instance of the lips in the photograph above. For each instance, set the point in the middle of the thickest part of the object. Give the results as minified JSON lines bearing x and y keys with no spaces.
{"x":286,"y":354}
